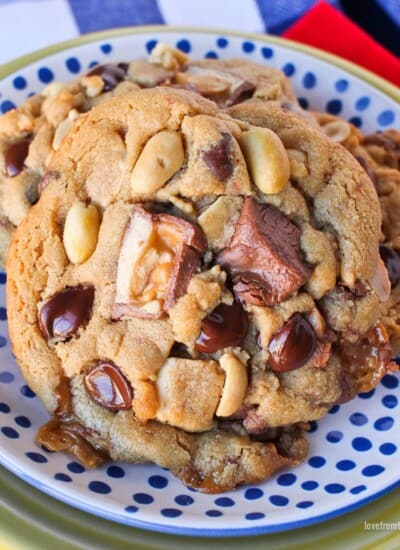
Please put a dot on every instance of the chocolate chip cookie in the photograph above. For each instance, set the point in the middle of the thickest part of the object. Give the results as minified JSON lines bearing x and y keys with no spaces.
{"x":379,"y":155}
{"x":30,"y":134}
{"x":192,"y":287}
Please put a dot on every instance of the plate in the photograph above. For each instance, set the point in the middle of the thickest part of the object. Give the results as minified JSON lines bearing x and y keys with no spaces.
{"x":353,"y":451}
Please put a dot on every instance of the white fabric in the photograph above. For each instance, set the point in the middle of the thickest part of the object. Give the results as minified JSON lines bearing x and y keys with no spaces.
{"x":26,"y":26}
{"x":242,"y":15}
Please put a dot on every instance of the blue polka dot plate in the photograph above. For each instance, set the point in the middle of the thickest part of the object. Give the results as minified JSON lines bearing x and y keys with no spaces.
{"x":354,"y":451}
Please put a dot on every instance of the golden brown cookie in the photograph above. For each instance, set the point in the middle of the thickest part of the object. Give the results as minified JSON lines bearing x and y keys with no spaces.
{"x":30,"y":134}
{"x":191,"y":288}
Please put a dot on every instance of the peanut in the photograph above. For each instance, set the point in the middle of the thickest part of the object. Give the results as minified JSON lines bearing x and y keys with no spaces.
{"x":81,"y":231}
{"x":266,"y":158}
{"x":161,"y":157}
{"x":168,"y":57}
{"x":235,"y":386}
{"x":298,"y":163}
{"x":337,"y":130}
{"x":63,"y":128}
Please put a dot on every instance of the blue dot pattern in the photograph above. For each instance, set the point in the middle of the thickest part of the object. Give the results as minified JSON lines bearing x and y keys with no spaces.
{"x":171,"y":512}
{"x":309,"y":81}
{"x":289,"y":69}
{"x":267,"y":53}
{"x":39,"y":458}
{"x":390,"y":382}
{"x":388,"y":448}
{"x":224,"y":501}
{"x":4,"y":408}
{"x":383,"y":424}
{"x":253,"y":494}
{"x":143,"y":498}
{"x":341,"y":85}
{"x":334,"y":106}
{"x":106,"y":48}
{"x":23,"y":421}
{"x":373,"y":470}
{"x":19,"y":83}
{"x":309,"y":485}
{"x":75,"y":468}
{"x":45,"y":75}
{"x":115,"y":472}
{"x":158,"y":482}
{"x":357,"y":443}
{"x":99,"y":487}
{"x":214,"y":513}
{"x":358,"y":419}
{"x":362,"y":103}
{"x":222,"y":42}
{"x":6,"y":377}
{"x":345,"y":465}
{"x":184,"y":500}
{"x":248,"y":47}
{"x":6,"y":106}
{"x":361,"y":444}
{"x":62,"y":477}
{"x":386,"y":118}
{"x":286,"y":479}
{"x":184,"y":45}
{"x":334,"y":436}
{"x":390,"y":401}
{"x":73,"y":65}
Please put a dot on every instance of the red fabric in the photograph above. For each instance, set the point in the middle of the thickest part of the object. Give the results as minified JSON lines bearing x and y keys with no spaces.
{"x":324,"y":27}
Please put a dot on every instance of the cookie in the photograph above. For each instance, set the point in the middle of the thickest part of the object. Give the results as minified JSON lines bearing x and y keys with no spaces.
{"x":379,"y":155}
{"x":30,"y":134}
{"x":192,"y":289}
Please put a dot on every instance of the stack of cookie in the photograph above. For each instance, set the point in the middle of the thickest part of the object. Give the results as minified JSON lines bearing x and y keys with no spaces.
{"x":200,"y":276}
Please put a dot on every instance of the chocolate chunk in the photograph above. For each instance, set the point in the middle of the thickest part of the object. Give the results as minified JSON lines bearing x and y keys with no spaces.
{"x":219,"y":158}
{"x":225,"y":326}
{"x":167,"y":249}
{"x":48,"y":178}
{"x":15,"y":155}
{"x":66,"y":311}
{"x":32,"y":188}
{"x":391,"y":259}
{"x":264,"y":257}
{"x":108,"y":387}
{"x":244,"y":90}
{"x":293,"y":345}
{"x":111,"y":74}
{"x":187,"y":263}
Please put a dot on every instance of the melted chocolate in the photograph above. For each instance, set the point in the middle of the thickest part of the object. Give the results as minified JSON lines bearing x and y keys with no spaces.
{"x":111,"y":74}
{"x":293,"y":345}
{"x":219,"y":158}
{"x":63,"y":314}
{"x":15,"y":155}
{"x":108,"y":387}
{"x":225,"y":326}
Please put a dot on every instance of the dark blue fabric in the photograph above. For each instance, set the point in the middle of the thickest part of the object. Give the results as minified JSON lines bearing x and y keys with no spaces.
{"x":97,"y":15}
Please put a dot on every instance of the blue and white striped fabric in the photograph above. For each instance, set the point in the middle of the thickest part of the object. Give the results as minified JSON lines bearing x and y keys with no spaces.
{"x":26,"y":25}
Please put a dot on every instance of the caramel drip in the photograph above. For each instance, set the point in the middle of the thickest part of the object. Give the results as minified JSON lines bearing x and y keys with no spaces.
{"x":64,"y":432}
{"x":367,"y":360}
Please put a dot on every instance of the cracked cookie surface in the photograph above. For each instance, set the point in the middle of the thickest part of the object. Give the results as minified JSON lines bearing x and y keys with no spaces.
{"x":30,"y":134}
{"x":208,"y":316}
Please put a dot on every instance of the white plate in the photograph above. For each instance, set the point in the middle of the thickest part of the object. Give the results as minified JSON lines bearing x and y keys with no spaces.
{"x":354,"y":450}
